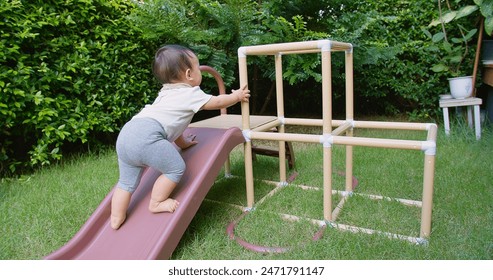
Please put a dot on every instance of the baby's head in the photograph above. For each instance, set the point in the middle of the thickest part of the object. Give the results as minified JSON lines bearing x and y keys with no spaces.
{"x":175,"y":63}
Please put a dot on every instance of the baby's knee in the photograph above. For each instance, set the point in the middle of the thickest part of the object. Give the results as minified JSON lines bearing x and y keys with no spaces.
{"x":175,"y":173}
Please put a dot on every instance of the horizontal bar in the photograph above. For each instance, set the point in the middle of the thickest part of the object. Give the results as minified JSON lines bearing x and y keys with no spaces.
{"x":354,"y":229}
{"x":294,"y":47}
{"x":310,"y":122}
{"x":379,"y":143}
{"x":392,"y":125}
{"x":407,"y":202}
{"x":362,"y":124}
{"x":268,"y":126}
{"x":293,"y":218}
{"x":342,"y":140}
{"x":294,"y":137}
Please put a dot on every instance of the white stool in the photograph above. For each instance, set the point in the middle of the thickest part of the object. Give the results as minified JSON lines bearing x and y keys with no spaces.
{"x":469,"y":102}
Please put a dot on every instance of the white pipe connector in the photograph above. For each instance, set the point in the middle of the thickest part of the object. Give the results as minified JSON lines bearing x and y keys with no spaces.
{"x":346,"y":193}
{"x":351,"y":121}
{"x":282,"y":120}
{"x":241,"y":52}
{"x":249,"y":209}
{"x":324,"y":45}
{"x":429,"y":147}
{"x":350,"y":49}
{"x":330,"y":224}
{"x":283,"y":184}
{"x":327,"y":140}
{"x":247,"y":133}
{"x":422,"y":241}
{"x":430,"y":125}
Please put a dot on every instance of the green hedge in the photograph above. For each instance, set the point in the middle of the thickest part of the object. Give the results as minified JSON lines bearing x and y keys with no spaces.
{"x":73,"y":71}
{"x":70,"y":71}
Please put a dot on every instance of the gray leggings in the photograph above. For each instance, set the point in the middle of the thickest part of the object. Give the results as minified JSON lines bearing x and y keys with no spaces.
{"x":142,"y":143}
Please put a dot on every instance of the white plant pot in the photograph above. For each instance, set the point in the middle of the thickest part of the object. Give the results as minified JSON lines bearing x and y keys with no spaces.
{"x":461,"y":87}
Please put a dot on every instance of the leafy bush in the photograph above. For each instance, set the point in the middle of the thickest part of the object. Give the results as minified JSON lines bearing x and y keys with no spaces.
{"x":73,"y":71}
{"x":392,"y":64}
{"x":70,"y":71}
{"x":392,"y":55}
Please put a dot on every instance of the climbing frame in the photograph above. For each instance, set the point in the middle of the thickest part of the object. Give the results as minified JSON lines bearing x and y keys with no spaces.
{"x":334,"y":132}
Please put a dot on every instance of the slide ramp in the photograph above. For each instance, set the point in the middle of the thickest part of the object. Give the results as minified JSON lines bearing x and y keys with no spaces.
{"x":145,"y":235}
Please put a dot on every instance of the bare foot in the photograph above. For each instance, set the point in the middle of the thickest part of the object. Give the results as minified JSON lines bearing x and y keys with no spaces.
{"x":169,"y":205}
{"x":117,"y":221}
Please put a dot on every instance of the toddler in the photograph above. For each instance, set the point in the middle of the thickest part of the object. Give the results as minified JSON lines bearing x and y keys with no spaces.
{"x":146,"y":140}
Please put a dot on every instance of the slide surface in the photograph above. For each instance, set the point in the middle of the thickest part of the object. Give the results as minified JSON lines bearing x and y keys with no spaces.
{"x":145,"y":235}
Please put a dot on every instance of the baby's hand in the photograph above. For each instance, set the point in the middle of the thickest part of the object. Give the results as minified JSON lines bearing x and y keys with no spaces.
{"x":190,"y":139}
{"x":186,"y":142}
{"x":243,"y":94}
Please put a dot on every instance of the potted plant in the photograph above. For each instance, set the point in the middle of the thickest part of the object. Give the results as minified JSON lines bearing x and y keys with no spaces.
{"x":454,"y":43}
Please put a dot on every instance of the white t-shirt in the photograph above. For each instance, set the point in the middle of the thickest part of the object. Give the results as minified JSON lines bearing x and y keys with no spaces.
{"x":175,"y":107}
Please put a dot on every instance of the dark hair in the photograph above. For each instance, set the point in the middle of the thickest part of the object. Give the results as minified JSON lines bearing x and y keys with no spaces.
{"x":170,"y":62}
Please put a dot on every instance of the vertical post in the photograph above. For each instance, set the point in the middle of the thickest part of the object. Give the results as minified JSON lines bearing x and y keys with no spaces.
{"x":469,"y":116}
{"x":245,"y":113}
{"x":446,"y":120}
{"x":349,"y":85}
{"x":349,"y":117}
{"x":426,"y":209}
{"x":477,"y":123}
{"x":349,"y":163}
{"x":327,"y":130}
{"x":327,"y":158}
{"x":428,"y":178}
{"x":280,"y":114}
{"x":227,"y":167}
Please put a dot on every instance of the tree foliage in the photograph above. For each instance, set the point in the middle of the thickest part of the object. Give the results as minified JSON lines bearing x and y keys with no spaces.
{"x":392,"y":60}
{"x":212,"y":29}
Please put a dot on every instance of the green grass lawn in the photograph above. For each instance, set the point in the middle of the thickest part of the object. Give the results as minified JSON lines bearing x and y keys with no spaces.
{"x":42,"y":211}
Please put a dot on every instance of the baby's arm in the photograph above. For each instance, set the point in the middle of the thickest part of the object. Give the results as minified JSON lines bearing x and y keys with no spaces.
{"x":226,"y":100}
{"x":185,"y":142}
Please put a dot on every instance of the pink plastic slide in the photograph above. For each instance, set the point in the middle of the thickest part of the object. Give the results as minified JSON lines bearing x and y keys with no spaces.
{"x":155,"y":236}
